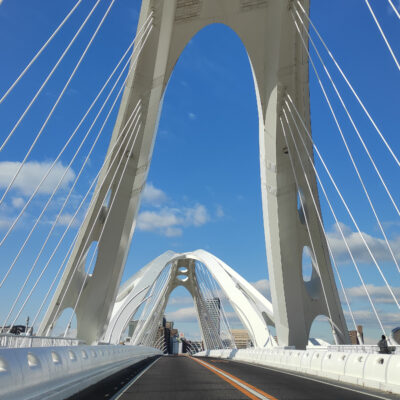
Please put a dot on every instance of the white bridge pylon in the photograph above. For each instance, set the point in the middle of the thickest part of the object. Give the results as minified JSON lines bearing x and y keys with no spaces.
{"x":279,"y":64}
{"x":252,"y":308}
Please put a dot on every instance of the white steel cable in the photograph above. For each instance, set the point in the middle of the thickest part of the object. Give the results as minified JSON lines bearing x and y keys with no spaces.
{"x":54,"y":280}
{"x":144,"y":42}
{"x":151,"y":332}
{"x":141,"y":319}
{"x":69,"y":140}
{"x":344,"y":139}
{"x":337,"y":189}
{"x":208,"y":293}
{"x":198,"y":308}
{"x":394,"y":9}
{"x":352,"y":122}
{"x":110,"y":153}
{"x":54,"y":192}
{"x":109,"y":209}
{"x":315,"y":206}
{"x":122,"y":309}
{"x":205,"y":310}
{"x":350,"y":213}
{"x":213,"y":308}
{"x":66,"y":170}
{"x":44,"y":83}
{"x":156,"y":305}
{"x":214,"y":285}
{"x":201,"y":307}
{"x":383,"y":34}
{"x":350,"y":86}
{"x":216,"y":293}
{"x":58,"y":99}
{"x":70,"y":224}
{"x":312,"y":246}
{"x":47,"y":264}
{"x":48,"y":237}
{"x":330,"y":205}
{"x":160,"y":285}
{"x":211,"y":326}
{"x":40,"y":51}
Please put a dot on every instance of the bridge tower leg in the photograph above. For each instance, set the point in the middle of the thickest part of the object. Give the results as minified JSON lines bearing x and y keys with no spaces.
{"x":279,"y":65}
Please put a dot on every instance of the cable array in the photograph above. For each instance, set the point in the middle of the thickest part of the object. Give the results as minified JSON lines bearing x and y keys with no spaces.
{"x":212,"y":316}
{"x":40,"y":51}
{"x":133,"y":127}
{"x":290,"y":120}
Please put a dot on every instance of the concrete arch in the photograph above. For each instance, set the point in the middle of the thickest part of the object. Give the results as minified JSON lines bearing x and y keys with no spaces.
{"x":279,"y":64}
{"x":249,"y":304}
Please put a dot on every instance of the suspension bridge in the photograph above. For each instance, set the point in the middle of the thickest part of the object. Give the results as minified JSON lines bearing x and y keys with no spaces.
{"x":66,"y":265}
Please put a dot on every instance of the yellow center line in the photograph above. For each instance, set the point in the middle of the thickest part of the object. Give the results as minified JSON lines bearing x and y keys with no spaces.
{"x":235,"y":381}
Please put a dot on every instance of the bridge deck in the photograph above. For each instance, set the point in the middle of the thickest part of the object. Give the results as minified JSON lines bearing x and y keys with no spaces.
{"x":183,"y":378}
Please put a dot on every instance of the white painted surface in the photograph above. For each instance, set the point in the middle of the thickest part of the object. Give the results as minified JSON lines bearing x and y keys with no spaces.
{"x":366,"y":348}
{"x":14,"y":341}
{"x":58,"y":372}
{"x":377,"y":371}
{"x":280,"y":66}
{"x":251,"y":307}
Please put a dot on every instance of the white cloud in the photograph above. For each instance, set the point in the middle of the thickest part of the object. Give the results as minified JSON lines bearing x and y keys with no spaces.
{"x":17,"y":202}
{"x":157,"y":220}
{"x":219,"y":212}
{"x":377,"y":245}
{"x":5,"y":222}
{"x":379,"y":294}
{"x":187,"y":314}
{"x":170,"y":221}
{"x":181,"y":300}
{"x":192,"y":115}
{"x":65,"y":220}
{"x":367,"y":317}
{"x":32,"y":173}
{"x":153,"y":196}
{"x":263,"y":287}
{"x":196,"y":216}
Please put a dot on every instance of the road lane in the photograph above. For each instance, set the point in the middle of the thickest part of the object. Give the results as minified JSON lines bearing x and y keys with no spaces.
{"x":180,"y":378}
{"x":185,"y":378}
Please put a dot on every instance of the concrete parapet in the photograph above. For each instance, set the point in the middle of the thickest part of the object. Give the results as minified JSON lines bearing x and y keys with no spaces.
{"x":58,"y":372}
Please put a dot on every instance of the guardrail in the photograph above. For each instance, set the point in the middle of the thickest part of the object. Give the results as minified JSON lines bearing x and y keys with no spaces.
{"x":17,"y":341}
{"x":59,"y":372}
{"x":361,"y":348}
{"x":377,"y":371}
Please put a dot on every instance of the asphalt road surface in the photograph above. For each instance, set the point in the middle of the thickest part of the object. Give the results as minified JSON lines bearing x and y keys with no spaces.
{"x":185,"y":378}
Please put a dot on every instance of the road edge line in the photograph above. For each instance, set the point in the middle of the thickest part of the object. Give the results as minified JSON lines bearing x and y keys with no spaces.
{"x":128,"y":386}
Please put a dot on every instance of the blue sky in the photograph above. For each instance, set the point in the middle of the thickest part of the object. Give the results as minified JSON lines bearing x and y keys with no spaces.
{"x":203,"y":187}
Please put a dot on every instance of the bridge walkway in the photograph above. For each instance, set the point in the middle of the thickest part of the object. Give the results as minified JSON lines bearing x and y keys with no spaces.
{"x":185,"y":378}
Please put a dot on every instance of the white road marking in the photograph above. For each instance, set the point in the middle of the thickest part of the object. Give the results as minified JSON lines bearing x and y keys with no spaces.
{"x":125,"y":388}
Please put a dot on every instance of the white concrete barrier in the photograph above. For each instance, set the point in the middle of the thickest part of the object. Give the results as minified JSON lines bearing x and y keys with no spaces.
{"x":354,"y":368}
{"x":393,"y":374}
{"x":378,"y":371}
{"x":375,"y":370}
{"x":58,"y":372}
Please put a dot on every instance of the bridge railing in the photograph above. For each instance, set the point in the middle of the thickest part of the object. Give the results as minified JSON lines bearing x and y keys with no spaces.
{"x":377,"y":371}
{"x":370,"y":349}
{"x":18,"y":341}
{"x":59,"y":372}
